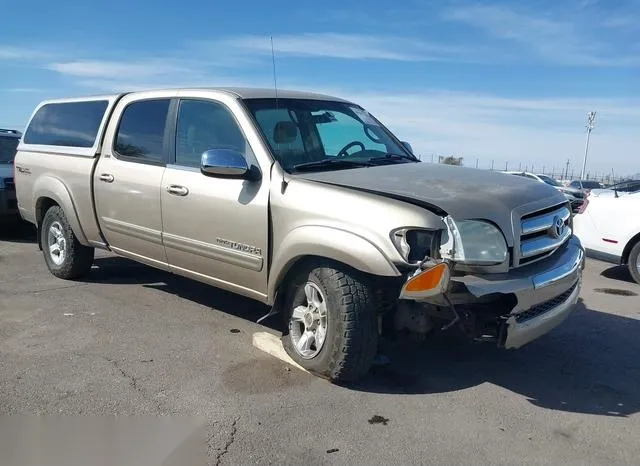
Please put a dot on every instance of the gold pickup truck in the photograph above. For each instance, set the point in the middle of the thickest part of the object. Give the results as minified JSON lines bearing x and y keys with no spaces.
{"x":304,"y":202}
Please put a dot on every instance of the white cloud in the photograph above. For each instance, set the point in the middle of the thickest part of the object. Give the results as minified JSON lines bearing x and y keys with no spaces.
{"x":347,"y":46}
{"x":560,"y":41}
{"x":23,"y":90}
{"x":8,"y":52}
{"x":114,"y":69}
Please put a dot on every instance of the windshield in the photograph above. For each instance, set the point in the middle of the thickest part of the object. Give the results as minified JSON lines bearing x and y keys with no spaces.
{"x":8,"y":147}
{"x":549,"y":180}
{"x":318,"y":132}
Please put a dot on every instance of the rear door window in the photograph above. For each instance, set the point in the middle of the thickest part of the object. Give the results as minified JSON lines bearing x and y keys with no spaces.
{"x":141,"y":132}
{"x":69,"y":124}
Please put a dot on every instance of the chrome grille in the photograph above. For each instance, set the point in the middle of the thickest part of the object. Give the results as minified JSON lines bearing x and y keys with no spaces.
{"x":543,"y":232}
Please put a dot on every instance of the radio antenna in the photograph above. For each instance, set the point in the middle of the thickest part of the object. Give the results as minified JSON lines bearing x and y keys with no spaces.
{"x":275,"y":80}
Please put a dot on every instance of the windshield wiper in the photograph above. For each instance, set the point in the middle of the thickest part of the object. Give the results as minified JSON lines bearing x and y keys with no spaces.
{"x":393,"y":158}
{"x":330,"y":163}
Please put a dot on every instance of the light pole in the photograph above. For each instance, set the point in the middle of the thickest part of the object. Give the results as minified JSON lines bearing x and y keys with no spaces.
{"x":591,"y":122}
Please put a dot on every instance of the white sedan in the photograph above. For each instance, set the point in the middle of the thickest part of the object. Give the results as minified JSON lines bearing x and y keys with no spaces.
{"x":609,"y":229}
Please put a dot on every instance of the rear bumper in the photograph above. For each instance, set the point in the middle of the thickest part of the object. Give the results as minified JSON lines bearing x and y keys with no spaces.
{"x":546,"y":293}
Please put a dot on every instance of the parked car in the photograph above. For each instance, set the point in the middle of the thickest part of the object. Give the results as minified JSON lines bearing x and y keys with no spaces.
{"x":576,"y":201}
{"x":618,"y":189}
{"x":583,"y":187}
{"x":9,"y":140}
{"x":304,"y":202}
{"x":609,"y":229}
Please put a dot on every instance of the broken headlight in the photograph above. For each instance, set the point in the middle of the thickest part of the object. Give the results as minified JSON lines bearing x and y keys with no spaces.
{"x":415,"y":244}
{"x":473,"y":242}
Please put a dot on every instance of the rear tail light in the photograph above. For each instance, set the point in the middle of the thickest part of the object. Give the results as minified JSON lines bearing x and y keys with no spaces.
{"x":584,"y":205}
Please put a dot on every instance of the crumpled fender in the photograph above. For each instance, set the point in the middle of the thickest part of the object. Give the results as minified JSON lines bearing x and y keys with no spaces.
{"x":331,"y":243}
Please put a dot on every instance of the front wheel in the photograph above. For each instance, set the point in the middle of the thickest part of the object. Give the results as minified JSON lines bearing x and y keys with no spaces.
{"x":331,"y":322}
{"x":65,"y":257}
{"x":634,"y":262}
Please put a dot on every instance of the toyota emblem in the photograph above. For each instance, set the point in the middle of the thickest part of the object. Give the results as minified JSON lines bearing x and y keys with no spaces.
{"x":557,"y":228}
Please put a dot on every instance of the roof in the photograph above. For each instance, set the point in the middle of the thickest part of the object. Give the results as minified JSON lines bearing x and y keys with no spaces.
{"x":239,"y":92}
{"x":270,"y":93}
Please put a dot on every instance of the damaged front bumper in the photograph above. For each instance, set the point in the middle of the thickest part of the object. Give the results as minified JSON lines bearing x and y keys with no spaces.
{"x":538,"y":297}
{"x":546,"y":293}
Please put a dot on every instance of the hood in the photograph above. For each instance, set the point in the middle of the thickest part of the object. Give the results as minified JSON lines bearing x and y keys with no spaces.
{"x":460,"y":192}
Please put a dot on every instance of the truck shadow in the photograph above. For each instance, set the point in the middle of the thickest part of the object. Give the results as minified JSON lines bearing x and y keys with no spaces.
{"x":587,"y":365}
{"x":117,"y":270}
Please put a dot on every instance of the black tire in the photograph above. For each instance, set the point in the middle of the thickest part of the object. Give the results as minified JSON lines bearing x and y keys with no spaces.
{"x":78,"y":259}
{"x":351,"y":340}
{"x":634,"y":262}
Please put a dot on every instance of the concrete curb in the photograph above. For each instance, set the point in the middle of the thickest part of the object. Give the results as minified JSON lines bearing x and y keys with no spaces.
{"x":271,"y":344}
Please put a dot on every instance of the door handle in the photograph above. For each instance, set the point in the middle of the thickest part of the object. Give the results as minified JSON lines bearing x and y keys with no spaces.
{"x":107,"y":178}
{"x":177,"y":190}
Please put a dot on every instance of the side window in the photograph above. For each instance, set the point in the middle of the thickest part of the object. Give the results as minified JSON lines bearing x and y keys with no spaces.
{"x":574,"y":184}
{"x":339,"y":130}
{"x":141,"y":131}
{"x":69,"y":124}
{"x":204,"y":125}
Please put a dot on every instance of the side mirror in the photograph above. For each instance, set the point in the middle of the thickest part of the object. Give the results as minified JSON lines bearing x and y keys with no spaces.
{"x":225,"y":163}
{"x":407,"y":146}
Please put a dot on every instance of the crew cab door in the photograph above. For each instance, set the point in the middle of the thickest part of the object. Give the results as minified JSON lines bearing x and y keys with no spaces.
{"x":129,"y":175}
{"x":215,"y":229}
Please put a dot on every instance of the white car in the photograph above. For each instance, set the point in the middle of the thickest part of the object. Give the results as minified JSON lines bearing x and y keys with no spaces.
{"x":609,"y":230}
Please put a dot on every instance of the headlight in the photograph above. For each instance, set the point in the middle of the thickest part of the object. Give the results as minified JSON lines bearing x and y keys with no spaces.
{"x":414,"y":244}
{"x":473,"y":242}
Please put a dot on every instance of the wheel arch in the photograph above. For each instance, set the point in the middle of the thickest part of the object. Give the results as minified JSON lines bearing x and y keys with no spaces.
{"x":306,"y":245}
{"x":49,"y":191}
{"x":627,"y":249}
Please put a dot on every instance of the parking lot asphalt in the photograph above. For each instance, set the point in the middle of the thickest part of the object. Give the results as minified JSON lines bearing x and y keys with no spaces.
{"x":133,"y":340}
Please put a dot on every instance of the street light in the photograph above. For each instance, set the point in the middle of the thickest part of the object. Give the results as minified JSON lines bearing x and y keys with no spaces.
{"x":591,"y":122}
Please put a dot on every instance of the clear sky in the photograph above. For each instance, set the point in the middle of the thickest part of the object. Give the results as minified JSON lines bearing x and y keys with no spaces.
{"x":505,"y":81}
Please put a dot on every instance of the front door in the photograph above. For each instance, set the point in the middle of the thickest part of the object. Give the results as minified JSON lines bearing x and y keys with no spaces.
{"x":128,"y":177}
{"x":214,"y":229}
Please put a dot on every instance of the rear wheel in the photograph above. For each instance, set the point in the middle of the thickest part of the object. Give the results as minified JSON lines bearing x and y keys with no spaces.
{"x":64,"y":255}
{"x":331,"y":323}
{"x":634,"y":262}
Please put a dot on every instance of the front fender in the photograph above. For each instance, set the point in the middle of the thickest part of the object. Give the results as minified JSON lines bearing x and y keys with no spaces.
{"x":53,"y":188}
{"x":331,"y":243}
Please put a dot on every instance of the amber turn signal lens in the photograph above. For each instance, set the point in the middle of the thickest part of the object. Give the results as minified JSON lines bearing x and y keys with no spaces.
{"x":427,"y":280}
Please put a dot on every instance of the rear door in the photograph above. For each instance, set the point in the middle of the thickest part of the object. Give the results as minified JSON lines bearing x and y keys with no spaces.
{"x":129,"y":174}
{"x":215,"y":229}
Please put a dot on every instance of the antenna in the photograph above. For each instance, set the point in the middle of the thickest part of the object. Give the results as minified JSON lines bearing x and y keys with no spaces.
{"x":275,"y":80}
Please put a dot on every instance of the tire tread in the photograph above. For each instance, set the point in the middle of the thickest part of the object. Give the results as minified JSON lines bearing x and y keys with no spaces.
{"x":79,"y":257}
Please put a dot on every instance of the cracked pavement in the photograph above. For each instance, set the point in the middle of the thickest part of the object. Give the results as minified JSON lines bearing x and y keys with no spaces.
{"x":131,"y":340}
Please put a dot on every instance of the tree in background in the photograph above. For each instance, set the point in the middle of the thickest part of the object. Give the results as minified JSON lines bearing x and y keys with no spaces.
{"x":451,"y":160}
